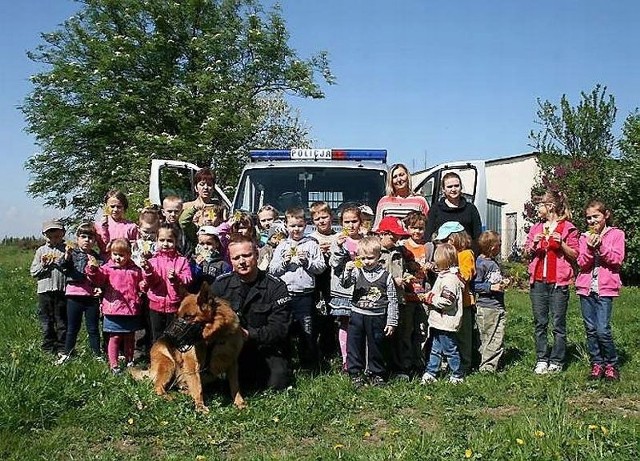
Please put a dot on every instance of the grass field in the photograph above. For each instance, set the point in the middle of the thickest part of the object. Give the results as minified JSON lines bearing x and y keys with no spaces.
{"x":80,"y":411}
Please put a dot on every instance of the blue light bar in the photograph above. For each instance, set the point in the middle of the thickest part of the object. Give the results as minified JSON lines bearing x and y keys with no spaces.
{"x":357,"y":155}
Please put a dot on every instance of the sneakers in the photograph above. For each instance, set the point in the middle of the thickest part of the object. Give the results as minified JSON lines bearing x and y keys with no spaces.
{"x":611,"y":373}
{"x":116,"y":371}
{"x":377,"y":381}
{"x":456,"y":380}
{"x":427,"y":378}
{"x":541,"y":368}
{"x":554,"y":368}
{"x":130,"y":364}
{"x":597,"y":371}
{"x":358,"y":381}
{"x":62,"y":359}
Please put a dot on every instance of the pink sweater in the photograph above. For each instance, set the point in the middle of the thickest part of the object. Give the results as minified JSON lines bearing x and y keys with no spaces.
{"x":121,"y":287}
{"x":564,"y":270}
{"x":611,"y":255}
{"x":399,"y":207}
{"x":165,"y":296}
{"x":115,"y":230}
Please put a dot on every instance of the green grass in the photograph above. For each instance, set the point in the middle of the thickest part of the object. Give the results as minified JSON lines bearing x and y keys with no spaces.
{"x":80,"y":411}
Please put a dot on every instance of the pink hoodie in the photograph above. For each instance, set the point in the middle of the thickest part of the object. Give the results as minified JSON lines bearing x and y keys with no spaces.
{"x":564,"y":269}
{"x":114,"y":230}
{"x":611,"y":255}
{"x":164,"y":296}
{"x":121,"y":287}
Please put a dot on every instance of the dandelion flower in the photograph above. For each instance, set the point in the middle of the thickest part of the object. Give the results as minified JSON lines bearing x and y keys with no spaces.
{"x":275,"y":419}
{"x":604,"y":430}
{"x":367,"y":434}
{"x":130,"y":421}
{"x":201,"y":458}
{"x":593,"y":427}
{"x":338,"y":446}
{"x":468,"y":453}
{"x":539,"y":433}
{"x":520,"y":441}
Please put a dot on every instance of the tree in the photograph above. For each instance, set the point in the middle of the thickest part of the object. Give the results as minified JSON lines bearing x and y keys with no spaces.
{"x":576,"y":148}
{"x":132,"y":80}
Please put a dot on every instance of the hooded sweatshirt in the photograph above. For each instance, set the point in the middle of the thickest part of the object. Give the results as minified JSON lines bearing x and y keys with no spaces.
{"x":466,"y":214}
{"x":164,"y":295}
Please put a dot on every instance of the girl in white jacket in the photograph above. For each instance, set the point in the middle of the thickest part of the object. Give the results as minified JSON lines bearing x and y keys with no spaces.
{"x":444,"y":304}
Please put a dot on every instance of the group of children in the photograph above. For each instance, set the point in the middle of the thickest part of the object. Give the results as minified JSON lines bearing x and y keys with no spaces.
{"x":389,"y":300}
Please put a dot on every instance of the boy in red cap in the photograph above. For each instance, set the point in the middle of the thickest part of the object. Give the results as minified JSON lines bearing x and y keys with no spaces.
{"x":392,"y":258}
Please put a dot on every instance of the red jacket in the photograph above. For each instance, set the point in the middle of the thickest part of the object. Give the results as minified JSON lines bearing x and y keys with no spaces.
{"x":564,"y":269}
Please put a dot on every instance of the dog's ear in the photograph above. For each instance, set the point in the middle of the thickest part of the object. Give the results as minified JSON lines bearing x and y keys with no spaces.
{"x":205,"y":299}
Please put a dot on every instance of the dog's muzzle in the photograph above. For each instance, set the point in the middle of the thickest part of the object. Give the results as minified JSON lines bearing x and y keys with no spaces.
{"x":183,"y":334}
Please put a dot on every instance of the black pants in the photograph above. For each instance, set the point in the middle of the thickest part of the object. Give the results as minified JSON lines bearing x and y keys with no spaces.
{"x":52,"y":313}
{"x":365,"y":338}
{"x":264,"y":366}
{"x":159,"y":321}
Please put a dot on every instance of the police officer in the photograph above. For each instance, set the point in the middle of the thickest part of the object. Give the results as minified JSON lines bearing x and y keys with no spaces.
{"x":262,"y":303}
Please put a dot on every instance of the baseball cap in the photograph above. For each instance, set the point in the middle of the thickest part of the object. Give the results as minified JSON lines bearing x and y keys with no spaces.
{"x":208,"y":230}
{"x":392,"y":225}
{"x":448,"y":228}
{"x":51,"y":225}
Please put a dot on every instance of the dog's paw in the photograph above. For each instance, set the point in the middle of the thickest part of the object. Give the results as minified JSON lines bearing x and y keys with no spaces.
{"x":202,"y":408}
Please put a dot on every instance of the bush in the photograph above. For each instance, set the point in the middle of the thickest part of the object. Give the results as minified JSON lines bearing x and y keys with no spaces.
{"x":518,"y":273}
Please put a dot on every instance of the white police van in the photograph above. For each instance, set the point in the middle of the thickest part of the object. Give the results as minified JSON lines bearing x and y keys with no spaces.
{"x":298,"y":177}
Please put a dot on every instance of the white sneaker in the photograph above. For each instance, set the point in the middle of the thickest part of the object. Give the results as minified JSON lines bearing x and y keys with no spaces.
{"x":427,"y":378}
{"x":554,"y":368}
{"x":542,"y":368}
{"x":62,"y":359}
{"x":455,"y":380}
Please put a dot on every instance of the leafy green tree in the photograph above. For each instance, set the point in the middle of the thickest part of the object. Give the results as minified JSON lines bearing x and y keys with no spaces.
{"x":626,"y":187}
{"x":576,"y":148}
{"x":127,"y":81}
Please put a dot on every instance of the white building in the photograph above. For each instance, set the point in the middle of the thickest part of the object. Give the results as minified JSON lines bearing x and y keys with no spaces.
{"x":509,"y":183}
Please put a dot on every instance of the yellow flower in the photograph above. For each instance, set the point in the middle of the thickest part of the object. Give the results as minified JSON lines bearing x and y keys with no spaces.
{"x":275,"y":419}
{"x":367,"y":434}
{"x":539,"y":434}
{"x":338,"y":446}
{"x":164,"y":423}
{"x":604,"y":430}
{"x":427,"y":397}
{"x":358,"y":263}
{"x":593,"y":427}
{"x":200,"y":458}
{"x":520,"y":441}
{"x":345,"y":231}
{"x":468,"y":453}
{"x":130,"y":421}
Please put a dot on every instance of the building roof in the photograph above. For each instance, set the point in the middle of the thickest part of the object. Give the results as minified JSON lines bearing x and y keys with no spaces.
{"x":512,"y":158}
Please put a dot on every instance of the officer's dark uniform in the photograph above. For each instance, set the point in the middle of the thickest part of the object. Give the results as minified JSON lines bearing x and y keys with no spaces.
{"x":264,"y":311}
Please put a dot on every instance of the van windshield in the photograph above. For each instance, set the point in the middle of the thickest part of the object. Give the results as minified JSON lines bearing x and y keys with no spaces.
{"x":284,"y":188}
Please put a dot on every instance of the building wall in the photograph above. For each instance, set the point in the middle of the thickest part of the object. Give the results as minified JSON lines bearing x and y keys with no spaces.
{"x":510,"y":180}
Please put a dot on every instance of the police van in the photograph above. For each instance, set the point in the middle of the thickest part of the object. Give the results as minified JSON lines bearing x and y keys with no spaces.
{"x":298,"y":177}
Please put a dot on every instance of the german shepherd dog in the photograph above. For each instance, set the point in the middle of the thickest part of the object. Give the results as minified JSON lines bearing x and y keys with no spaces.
{"x":205,"y":334}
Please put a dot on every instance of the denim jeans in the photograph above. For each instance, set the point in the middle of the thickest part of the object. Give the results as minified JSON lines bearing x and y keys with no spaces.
{"x":444,"y":345}
{"x":303,"y":311}
{"x":548,"y":299}
{"x":596,"y":313}
{"x":77,"y":306}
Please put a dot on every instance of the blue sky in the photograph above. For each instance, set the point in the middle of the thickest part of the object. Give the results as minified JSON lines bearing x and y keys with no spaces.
{"x":445,"y":80}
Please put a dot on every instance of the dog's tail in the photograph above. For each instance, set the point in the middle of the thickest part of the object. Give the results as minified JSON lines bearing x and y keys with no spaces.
{"x":139,"y":374}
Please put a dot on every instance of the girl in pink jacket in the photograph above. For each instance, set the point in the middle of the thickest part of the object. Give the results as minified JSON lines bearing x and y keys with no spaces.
{"x":552,"y":245}
{"x":121,"y":282}
{"x":167,"y":275}
{"x":599,"y":259}
{"x":113,"y":224}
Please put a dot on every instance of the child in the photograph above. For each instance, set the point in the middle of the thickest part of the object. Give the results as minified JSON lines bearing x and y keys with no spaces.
{"x":277,"y":232}
{"x":297,"y":260}
{"x":165,"y":274}
{"x":367,"y":219}
{"x":325,"y":236}
{"x":419,"y":255}
{"x":82,"y":296}
{"x":145,"y":245}
{"x":121,"y":281}
{"x":390,"y":231}
{"x":267,"y":215}
{"x":197,"y":216}
{"x":599,"y":260}
{"x":374,"y":313}
{"x":453,"y":232}
{"x":46,"y":269}
{"x":171,"y":211}
{"x":344,"y":249}
{"x":489,"y":285}
{"x":242,"y":223}
{"x":113,"y":224}
{"x":206,"y":263}
{"x":444,"y":303}
{"x":552,"y":245}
